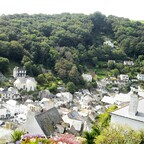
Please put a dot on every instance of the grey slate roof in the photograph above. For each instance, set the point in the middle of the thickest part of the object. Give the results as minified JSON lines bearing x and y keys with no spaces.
{"x":124,"y":112}
{"x":75,"y":115}
{"x":21,"y":69}
{"x":48,"y":120}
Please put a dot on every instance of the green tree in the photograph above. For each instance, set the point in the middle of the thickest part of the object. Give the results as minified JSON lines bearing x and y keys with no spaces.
{"x":4,"y":64}
{"x":16,"y":135}
{"x":71,"y":87}
{"x":118,"y":135}
{"x":111,"y":65}
{"x":115,"y":72}
{"x":16,"y":51}
{"x":62,"y":67}
{"x":74,"y":75}
{"x":102,"y":121}
{"x":25,"y":59}
{"x":90,"y":136}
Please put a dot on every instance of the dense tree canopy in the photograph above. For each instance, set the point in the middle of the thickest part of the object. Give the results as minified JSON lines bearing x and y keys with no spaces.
{"x":4,"y":64}
{"x":66,"y":43}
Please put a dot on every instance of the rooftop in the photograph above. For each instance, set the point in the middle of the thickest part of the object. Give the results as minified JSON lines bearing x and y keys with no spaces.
{"x":124,"y":112}
{"x":47,"y":120}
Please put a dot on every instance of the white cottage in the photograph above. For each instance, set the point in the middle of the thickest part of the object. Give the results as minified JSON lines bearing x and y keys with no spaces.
{"x":87,"y":77}
{"x":129,"y":63}
{"x":9,"y":93}
{"x":109,"y":43}
{"x":28,"y":84}
{"x":124,"y":77}
{"x":4,"y":113}
{"x":13,"y":107}
{"x":140,"y":77}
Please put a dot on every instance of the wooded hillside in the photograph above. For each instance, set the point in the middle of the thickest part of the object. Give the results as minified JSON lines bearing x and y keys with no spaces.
{"x":67,"y":43}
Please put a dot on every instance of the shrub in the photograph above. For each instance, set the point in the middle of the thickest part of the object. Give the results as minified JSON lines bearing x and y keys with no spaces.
{"x":16,"y":135}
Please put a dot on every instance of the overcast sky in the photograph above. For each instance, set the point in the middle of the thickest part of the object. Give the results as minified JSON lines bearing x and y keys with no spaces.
{"x":133,"y":9}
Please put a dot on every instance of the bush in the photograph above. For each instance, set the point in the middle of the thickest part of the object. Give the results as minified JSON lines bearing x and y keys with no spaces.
{"x":16,"y":135}
{"x":71,"y":87}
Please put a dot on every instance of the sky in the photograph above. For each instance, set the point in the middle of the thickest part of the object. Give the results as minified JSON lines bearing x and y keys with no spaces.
{"x":132,"y":9}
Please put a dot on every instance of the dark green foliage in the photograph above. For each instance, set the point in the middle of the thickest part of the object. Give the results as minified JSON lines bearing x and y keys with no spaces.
{"x":111,"y":65}
{"x":90,"y":136}
{"x":71,"y":87}
{"x":142,"y":84}
{"x":16,"y":135}
{"x":69,"y":43}
{"x":48,"y":81}
{"x":102,"y":121}
{"x":4,"y":64}
{"x":125,"y":88}
{"x":116,"y":134}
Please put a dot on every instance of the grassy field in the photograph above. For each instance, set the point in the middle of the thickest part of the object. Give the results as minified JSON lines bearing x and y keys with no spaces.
{"x":101,"y":73}
{"x":98,"y":73}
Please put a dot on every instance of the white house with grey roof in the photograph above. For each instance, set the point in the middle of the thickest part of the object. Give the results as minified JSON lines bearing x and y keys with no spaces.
{"x":9,"y":93}
{"x":131,"y":115}
{"x":44,"y":123}
{"x":87,"y":77}
{"x":124,"y":77}
{"x":109,"y":43}
{"x":4,"y":113}
{"x":12,"y":106}
{"x":129,"y":63}
{"x":25,"y":83}
{"x":140,"y":77}
{"x":108,"y":100}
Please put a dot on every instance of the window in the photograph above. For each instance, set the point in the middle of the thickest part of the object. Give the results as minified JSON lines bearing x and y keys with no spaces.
{"x":7,"y":115}
{"x":2,"y":116}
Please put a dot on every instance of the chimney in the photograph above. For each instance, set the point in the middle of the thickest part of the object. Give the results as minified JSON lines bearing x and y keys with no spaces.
{"x":133,"y":105}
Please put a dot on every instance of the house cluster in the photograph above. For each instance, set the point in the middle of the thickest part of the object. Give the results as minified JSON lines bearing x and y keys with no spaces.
{"x":66,"y":112}
{"x":130,"y":110}
{"x":60,"y":113}
{"x":9,"y":93}
{"x":121,"y":99}
{"x":22,"y":82}
{"x":126,"y":62}
{"x":63,"y":112}
{"x":124,"y":77}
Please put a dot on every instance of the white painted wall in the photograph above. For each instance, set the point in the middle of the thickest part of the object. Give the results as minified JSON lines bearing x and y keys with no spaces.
{"x":3,"y":112}
{"x":28,"y":84}
{"x":32,"y":125}
{"x":136,"y":125}
{"x":87,"y":77}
